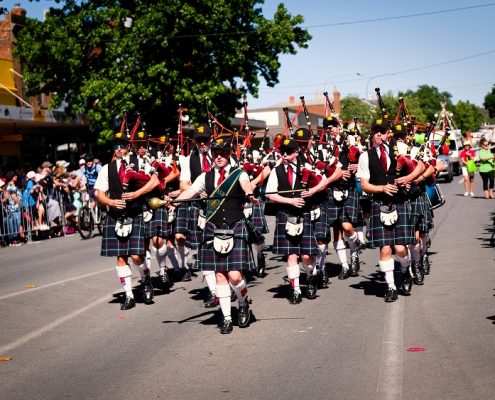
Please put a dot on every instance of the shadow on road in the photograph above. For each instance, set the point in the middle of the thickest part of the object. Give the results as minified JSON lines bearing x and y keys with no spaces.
{"x":374,"y":285}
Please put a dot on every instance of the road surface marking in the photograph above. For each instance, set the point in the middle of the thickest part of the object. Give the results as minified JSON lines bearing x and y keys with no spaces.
{"x":389,"y":386}
{"x":31,"y":290}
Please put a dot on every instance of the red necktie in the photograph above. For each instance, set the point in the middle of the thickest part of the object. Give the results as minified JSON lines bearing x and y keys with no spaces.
{"x":206,"y":165}
{"x":122,"y":171}
{"x":308,"y":157}
{"x":290,"y":175}
{"x":221,"y":178}
{"x":383,"y":157}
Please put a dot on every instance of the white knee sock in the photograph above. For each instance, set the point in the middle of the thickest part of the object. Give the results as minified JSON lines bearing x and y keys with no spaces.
{"x":415,"y":250}
{"x":172,"y":256}
{"x":240,"y":291}
{"x":211,"y":281}
{"x":340,"y":248}
{"x":223,"y":294}
{"x":424,"y":247}
{"x":183,"y":253}
{"x":322,"y":256}
{"x":143,"y":271}
{"x":360,"y":234}
{"x":352,"y":241}
{"x":387,"y":267}
{"x":309,"y":269}
{"x":124,"y":273}
{"x":404,"y":262}
{"x":293,"y":275}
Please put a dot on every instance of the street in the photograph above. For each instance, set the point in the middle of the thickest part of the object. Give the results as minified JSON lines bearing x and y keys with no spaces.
{"x":63,"y":334}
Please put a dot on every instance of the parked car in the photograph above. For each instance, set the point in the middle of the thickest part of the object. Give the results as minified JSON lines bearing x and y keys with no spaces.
{"x":448,"y":174}
{"x":455,"y":147}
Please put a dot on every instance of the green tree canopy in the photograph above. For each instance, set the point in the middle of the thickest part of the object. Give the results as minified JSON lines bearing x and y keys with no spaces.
{"x":468,"y":117}
{"x":355,"y":107}
{"x":103,"y":57}
{"x":427,"y":99}
{"x":489,"y":103}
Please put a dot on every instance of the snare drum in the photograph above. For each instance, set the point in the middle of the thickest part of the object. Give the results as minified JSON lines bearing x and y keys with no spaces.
{"x":435,"y":195}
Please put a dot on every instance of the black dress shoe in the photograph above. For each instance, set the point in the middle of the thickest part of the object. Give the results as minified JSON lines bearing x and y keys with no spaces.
{"x":419,"y":277}
{"x":324,"y":278}
{"x":226,"y":327}
{"x":311,"y":292}
{"x":391,"y":295}
{"x":187,"y":275}
{"x":165,"y":281}
{"x":425,"y":262}
{"x":344,"y":273}
{"x":212,"y":301}
{"x":360,"y":246}
{"x":128,"y":303}
{"x":406,"y":283}
{"x":261,"y":264}
{"x":147,"y":288}
{"x":244,"y":315}
{"x":295,"y":297}
{"x":354,"y":268}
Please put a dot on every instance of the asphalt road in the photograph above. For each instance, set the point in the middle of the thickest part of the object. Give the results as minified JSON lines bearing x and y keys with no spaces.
{"x":64,"y":335}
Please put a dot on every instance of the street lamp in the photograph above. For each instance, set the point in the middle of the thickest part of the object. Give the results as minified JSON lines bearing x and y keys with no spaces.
{"x":373,"y":77}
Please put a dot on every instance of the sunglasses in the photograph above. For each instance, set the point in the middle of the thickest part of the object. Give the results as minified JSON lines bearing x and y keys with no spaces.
{"x":221,"y":153}
{"x":119,"y":146}
{"x":288,"y":152}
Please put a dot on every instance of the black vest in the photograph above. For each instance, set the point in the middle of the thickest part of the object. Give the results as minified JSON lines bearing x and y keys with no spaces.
{"x":284,"y":186}
{"x":232,"y":208}
{"x":115,"y":191}
{"x":378,"y":176}
{"x":195,"y":165}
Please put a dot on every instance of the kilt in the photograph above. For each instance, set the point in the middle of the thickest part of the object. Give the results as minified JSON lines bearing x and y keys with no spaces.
{"x":111,"y":246}
{"x":258,"y":218}
{"x":240,"y":258}
{"x":402,"y":233}
{"x":419,"y":212}
{"x":186,"y":222}
{"x":321,"y":228}
{"x":303,"y":244}
{"x":346,"y":211}
{"x":157,"y":226}
{"x":429,"y":213}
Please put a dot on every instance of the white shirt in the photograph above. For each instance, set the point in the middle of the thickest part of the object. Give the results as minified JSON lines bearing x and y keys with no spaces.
{"x":199,"y":185}
{"x":272,"y":184}
{"x":102,"y":179}
{"x":363,"y":170}
{"x":185,"y":164}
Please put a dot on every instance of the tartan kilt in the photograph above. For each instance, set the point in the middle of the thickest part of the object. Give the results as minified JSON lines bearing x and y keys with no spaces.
{"x":429,"y":214}
{"x":402,"y":233}
{"x":111,"y":246}
{"x":157,"y":226}
{"x":186,"y":222}
{"x":285,"y":244}
{"x":240,"y":258}
{"x":321,"y":228}
{"x":346,"y":211}
{"x":258,"y":219}
{"x":419,"y":211}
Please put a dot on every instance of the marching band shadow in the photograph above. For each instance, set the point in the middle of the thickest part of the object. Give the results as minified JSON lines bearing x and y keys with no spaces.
{"x":492,"y":318}
{"x":373,"y":285}
{"x":214,"y":317}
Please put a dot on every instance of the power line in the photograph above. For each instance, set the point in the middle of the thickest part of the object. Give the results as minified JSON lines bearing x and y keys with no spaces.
{"x":361,"y":21}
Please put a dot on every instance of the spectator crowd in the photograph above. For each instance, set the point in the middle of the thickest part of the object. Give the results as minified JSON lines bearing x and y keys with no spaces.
{"x":44,"y":203}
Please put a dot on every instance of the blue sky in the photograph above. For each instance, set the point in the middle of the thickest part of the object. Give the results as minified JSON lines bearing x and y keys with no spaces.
{"x":395,"y":54}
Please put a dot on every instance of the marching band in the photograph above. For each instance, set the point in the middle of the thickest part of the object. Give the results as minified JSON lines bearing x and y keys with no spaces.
{"x":328,"y":186}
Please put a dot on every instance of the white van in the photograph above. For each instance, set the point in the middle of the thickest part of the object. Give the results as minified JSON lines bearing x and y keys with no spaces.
{"x":455,"y":147}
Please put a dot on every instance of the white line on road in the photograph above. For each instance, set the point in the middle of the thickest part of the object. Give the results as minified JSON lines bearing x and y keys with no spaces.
{"x":389,"y":386}
{"x":26,"y":291}
{"x":38,"y":332}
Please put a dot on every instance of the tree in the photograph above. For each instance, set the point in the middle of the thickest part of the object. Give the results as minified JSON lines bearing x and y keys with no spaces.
{"x":427,"y":99}
{"x":103,"y":57}
{"x":468,"y":116}
{"x":355,"y":107}
{"x":489,"y":103}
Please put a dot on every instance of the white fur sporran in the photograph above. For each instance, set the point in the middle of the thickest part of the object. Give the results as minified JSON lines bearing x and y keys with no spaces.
{"x":171,"y":216}
{"x":315,"y":213}
{"x":388,"y":215}
{"x":201,"y":221}
{"x":223,"y":241}
{"x":248,"y":211}
{"x":147,"y":215}
{"x":294,"y":226}
{"x":123,"y":228}
{"x":340,"y":195}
